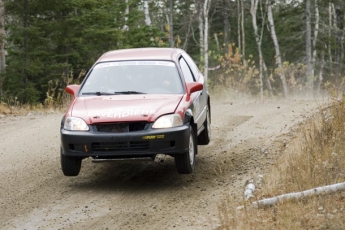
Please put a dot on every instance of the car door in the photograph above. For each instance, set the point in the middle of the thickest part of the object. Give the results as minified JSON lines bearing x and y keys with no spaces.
{"x":198,"y":76}
{"x":199,"y":101}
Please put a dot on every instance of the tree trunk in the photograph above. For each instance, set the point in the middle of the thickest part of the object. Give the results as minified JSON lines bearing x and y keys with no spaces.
{"x":243,"y":34}
{"x":226,"y":26}
{"x":330,"y":7}
{"x":25,"y":43}
{"x":185,"y":44}
{"x":171,"y":24}
{"x":269,"y":86}
{"x":328,"y":189}
{"x":216,"y":40}
{"x":2,"y":45}
{"x":206,"y":8}
{"x":239,"y":24}
{"x":316,"y":31}
{"x":322,"y":66}
{"x":338,"y":42}
{"x":125,"y":27}
{"x":310,"y":67}
{"x":342,"y":55}
{"x":253,"y":10}
{"x":277,"y":49}
{"x":201,"y":27}
{"x":147,"y":13}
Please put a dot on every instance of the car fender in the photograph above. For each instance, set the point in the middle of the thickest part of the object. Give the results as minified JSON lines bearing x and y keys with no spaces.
{"x":188,"y":116}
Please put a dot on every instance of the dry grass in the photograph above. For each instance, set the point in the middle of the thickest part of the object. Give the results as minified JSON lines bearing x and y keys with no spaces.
{"x":56,"y":97}
{"x":17,"y":109}
{"x":316,"y":157}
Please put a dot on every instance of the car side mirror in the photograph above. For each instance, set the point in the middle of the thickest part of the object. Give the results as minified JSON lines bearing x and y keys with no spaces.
{"x":194,"y":87}
{"x":73,"y":89}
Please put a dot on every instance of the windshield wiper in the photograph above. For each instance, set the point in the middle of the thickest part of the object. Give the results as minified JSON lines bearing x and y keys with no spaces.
{"x":129,"y":92}
{"x":98,"y":93}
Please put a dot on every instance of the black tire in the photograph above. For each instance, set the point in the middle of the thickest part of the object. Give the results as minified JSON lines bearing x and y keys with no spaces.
{"x":70,"y":165}
{"x":185,"y":162}
{"x":205,"y":136}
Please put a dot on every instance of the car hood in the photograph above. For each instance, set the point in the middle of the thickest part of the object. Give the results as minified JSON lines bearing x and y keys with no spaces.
{"x":124,"y":107}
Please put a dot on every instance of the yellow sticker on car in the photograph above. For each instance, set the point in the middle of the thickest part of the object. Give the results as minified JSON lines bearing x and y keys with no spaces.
{"x":153,"y":137}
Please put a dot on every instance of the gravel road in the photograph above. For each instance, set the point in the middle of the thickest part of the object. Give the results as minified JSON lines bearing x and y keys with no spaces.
{"x":247,"y":136}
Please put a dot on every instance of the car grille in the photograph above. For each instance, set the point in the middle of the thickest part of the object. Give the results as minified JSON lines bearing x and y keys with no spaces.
{"x":120,"y":146}
{"x":120,"y":127}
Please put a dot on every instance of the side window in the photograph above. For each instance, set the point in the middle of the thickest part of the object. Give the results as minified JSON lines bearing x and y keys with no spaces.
{"x":188,"y":76}
{"x":192,"y":66}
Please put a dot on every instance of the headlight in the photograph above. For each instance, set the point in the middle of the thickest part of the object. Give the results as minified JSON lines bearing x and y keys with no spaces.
{"x":75,"y":124}
{"x":168,"y":121}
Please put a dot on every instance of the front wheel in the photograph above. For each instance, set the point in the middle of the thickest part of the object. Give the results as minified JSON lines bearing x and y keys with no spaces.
{"x":205,"y":136}
{"x":70,"y":165}
{"x":185,"y":162}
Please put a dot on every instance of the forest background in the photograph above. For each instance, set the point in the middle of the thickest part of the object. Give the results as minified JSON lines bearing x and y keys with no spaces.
{"x":258,"y":47}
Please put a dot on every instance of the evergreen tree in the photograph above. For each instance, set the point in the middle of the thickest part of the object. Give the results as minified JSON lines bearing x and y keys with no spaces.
{"x":48,"y":39}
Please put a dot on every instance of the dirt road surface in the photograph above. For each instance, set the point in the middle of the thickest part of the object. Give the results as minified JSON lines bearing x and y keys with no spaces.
{"x":247,"y":136}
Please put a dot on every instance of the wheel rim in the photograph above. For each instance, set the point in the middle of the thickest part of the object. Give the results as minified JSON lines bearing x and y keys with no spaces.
{"x":191,"y":149}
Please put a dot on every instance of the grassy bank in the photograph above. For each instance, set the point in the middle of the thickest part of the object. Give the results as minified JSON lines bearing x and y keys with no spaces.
{"x":315,"y":157}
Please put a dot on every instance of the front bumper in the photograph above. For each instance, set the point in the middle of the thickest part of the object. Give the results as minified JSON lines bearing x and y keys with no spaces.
{"x":129,"y":144}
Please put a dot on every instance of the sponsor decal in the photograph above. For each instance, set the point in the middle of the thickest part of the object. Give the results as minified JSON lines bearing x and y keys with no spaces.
{"x":131,"y":63}
{"x":153,"y":137}
{"x":120,"y":113}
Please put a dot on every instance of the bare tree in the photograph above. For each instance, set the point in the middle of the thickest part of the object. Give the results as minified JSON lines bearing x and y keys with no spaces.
{"x":342,"y":40}
{"x":316,"y":31}
{"x":147,"y":13}
{"x":338,"y":40}
{"x":2,"y":44}
{"x":203,"y":11}
{"x":185,"y":44}
{"x":322,"y":66}
{"x":277,"y":49}
{"x":206,"y":8}
{"x":258,"y":39}
{"x":239,"y":23}
{"x":310,"y":67}
{"x":330,"y":10}
{"x":201,"y":26}
{"x":25,"y":42}
{"x":171,"y":24}
{"x":243,"y":33}
{"x":125,"y":27}
{"x":226,"y":25}
{"x":168,"y":9}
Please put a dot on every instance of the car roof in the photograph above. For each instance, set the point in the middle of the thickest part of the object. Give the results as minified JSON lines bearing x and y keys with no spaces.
{"x":170,"y":54}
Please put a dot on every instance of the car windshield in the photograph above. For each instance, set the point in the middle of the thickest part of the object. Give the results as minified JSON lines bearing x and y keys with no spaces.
{"x":133,"y":77}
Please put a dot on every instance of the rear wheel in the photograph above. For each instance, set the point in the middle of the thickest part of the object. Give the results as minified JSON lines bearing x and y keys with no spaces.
{"x":70,"y":165}
{"x":185,"y":162}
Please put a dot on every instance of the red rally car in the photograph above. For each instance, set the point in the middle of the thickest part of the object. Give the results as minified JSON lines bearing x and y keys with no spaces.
{"x":135,"y":104}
